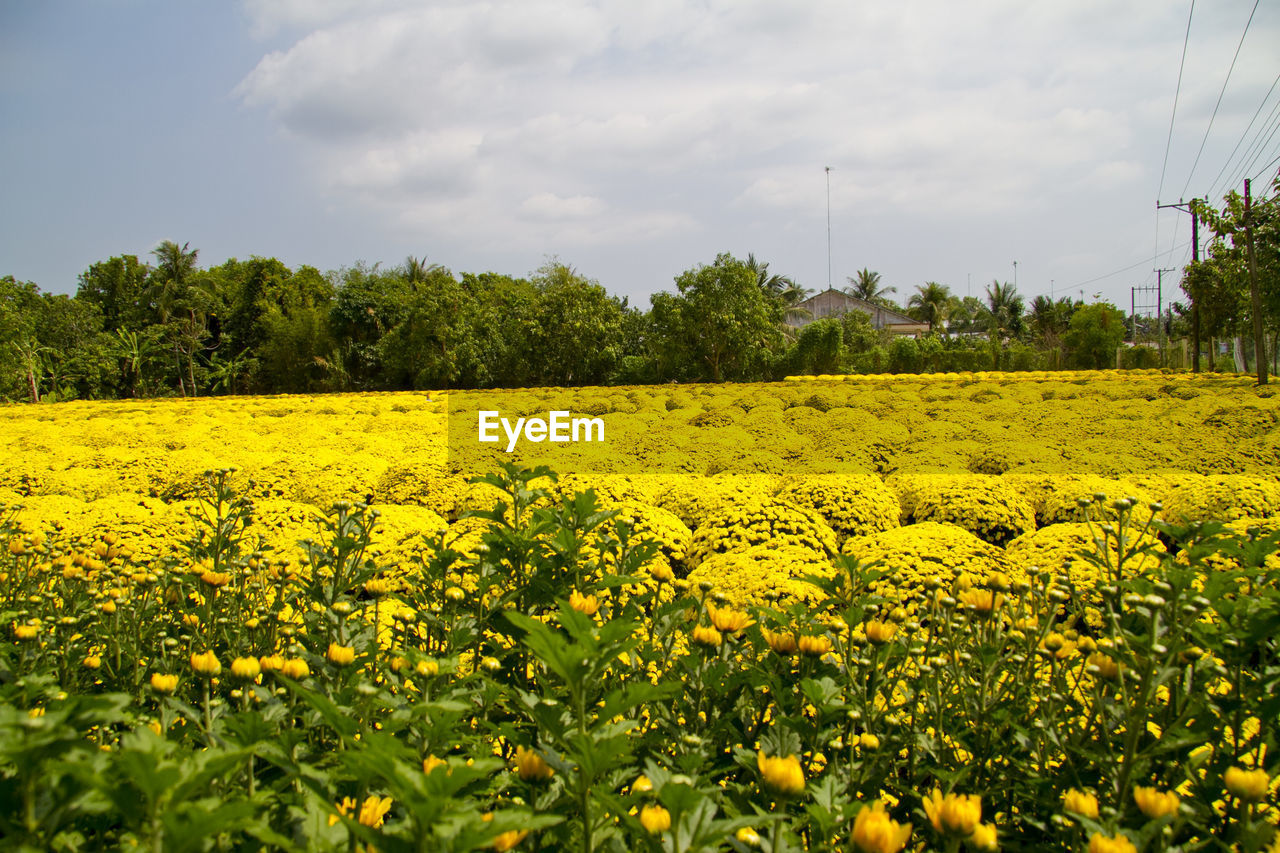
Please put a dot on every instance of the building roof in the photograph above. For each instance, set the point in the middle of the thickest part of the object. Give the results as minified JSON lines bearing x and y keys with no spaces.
{"x":833,"y":303}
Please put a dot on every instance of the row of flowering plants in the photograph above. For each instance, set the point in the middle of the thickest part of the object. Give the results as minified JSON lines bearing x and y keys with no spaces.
{"x":556,"y":686}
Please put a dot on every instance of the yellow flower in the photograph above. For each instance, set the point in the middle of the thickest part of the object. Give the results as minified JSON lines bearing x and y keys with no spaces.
{"x":1155,"y":803}
{"x":26,"y":632}
{"x":377,"y":587}
{"x":455,"y":593}
{"x":431,"y":763}
{"x":1099,"y":843}
{"x":509,"y":839}
{"x":784,"y":643}
{"x":427,"y":668}
{"x":984,"y":837}
{"x":1081,"y":803}
{"x":1105,"y":666}
{"x":271,"y":663}
{"x":340,"y":655}
{"x":705,"y":635}
{"x":92,"y":662}
{"x":984,"y":602}
{"x":215,"y":579}
{"x":655,"y":819}
{"x":246,"y":668}
{"x":814,"y":646}
{"x":1249,"y":785}
{"x":748,"y":836}
{"x":295,"y":668}
{"x":162,"y":683}
{"x":661,"y":572}
{"x":642,"y":785}
{"x":371,"y":814}
{"x":868,"y":740}
{"x":783,"y":776}
{"x":586,"y":604}
{"x":874,"y":832}
{"x":374,"y":811}
{"x":1060,"y":646}
{"x":530,"y":766}
{"x":953,"y":814}
{"x":878,"y":633}
{"x":728,"y":620}
{"x":206,"y":664}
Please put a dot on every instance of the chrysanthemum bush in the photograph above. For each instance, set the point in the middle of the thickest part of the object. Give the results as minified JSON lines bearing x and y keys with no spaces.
{"x":551,"y":686}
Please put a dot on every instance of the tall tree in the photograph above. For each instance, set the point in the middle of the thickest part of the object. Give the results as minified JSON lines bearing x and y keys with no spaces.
{"x":719,"y":318}
{"x":118,"y":287}
{"x":579,"y":327}
{"x":1003,"y":317}
{"x":781,"y":289}
{"x":1094,"y":335}
{"x":930,"y":303}
{"x":866,"y":285}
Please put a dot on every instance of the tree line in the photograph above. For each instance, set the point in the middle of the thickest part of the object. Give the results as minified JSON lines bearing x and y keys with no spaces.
{"x":166,"y":326}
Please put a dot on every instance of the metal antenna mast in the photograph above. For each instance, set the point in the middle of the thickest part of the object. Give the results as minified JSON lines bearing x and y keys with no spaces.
{"x":828,"y":171}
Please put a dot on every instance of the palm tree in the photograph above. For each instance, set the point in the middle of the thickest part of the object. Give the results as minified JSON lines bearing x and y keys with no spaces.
{"x":1004,"y":309}
{"x":1050,"y":320}
{"x":781,"y":290}
{"x":174,"y":266}
{"x":417,"y":271}
{"x":866,"y":285}
{"x":931,"y":302}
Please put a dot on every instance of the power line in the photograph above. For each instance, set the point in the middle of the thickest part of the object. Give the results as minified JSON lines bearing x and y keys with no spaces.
{"x":1256,"y":113}
{"x":1186,"y":38}
{"x":1176,"y":92}
{"x":1220,"y":94}
{"x":1260,"y":153}
{"x":1254,"y":152}
{"x":1265,"y":168}
{"x":1142,"y":262}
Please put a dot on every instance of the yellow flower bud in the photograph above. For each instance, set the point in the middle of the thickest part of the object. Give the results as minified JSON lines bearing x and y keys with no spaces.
{"x":246,"y":668}
{"x":162,"y":683}
{"x":655,"y":819}
{"x":340,"y":655}
{"x":1155,"y":803}
{"x":783,"y":776}
{"x":1081,"y":803}
{"x":206,"y":664}
{"x":1249,"y":785}
{"x":953,"y":814}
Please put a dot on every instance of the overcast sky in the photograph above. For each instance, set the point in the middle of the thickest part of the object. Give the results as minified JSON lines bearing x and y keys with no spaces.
{"x":633,"y":139}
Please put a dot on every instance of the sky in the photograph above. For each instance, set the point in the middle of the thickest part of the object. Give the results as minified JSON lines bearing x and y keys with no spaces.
{"x":966,"y":142}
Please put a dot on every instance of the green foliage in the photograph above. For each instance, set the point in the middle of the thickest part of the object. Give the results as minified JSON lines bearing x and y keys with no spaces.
{"x":540,"y":676}
{"x":720,"y":322}
{"x":1094,"y":336}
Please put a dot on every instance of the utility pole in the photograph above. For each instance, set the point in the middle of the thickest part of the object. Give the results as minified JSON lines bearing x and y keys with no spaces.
{"x":1255,"y":296}
{"x":1160,"y":311}
{"x":828,"y":170}
{"x":1190,"y":207}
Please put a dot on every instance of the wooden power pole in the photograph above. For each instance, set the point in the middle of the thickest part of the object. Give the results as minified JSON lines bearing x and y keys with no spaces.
{"x":1255,"y":295}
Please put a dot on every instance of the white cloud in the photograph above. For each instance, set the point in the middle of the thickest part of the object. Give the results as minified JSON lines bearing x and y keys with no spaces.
{"x":599,"y":120}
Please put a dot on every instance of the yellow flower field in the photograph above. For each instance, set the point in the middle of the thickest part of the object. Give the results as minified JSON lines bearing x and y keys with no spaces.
{"x":1034,"y":611}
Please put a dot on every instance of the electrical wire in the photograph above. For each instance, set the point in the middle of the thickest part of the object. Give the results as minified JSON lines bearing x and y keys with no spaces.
{"x":1264,"y":147}
{"x":1251,"y":152}
{"x":1240,"y":142}
{"x":1265,"y":168}
{"x":1176,"y":92}
{"x":1220,"y":94}
{"x":1186,"y":38}
{"x":1117,"y":272}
